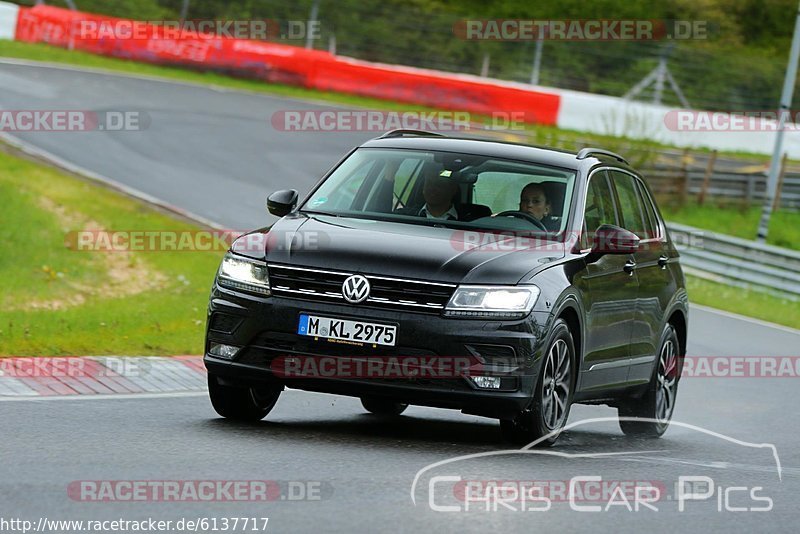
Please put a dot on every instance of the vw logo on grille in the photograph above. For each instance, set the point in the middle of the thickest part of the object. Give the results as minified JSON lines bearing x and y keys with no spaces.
{"x":355,"y":289}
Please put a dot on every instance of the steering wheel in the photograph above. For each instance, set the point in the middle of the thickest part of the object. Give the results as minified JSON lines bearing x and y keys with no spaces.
{"x":522,"y":215}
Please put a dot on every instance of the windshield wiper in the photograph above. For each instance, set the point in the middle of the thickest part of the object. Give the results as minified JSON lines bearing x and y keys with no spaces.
{"x":317,"y":212}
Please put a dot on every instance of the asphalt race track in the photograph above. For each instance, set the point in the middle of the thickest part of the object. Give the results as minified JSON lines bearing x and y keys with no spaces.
{"x":214,"y":153}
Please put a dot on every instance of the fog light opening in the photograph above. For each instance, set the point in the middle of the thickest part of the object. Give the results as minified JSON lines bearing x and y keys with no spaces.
{"x":486,"y":382}
{"x":223,"y":351}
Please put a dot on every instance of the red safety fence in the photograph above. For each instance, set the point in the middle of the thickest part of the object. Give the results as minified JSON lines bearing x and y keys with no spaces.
{"x":278,"y":63}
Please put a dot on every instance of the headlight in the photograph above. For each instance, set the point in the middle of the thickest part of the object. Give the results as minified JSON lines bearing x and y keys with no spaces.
{"x":497,"y":302}
{"x":238,"y":272}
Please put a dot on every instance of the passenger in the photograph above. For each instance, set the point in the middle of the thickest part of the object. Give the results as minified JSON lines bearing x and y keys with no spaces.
{"x":533,"y":201}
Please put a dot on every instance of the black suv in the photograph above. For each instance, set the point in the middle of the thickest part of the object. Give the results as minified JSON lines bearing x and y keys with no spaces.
{"x":498,"y":279}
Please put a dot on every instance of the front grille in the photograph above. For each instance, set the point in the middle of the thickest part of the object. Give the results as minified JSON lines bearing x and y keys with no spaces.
{"x":386,"y":293}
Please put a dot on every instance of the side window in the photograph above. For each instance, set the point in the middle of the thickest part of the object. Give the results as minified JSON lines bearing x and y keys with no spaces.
{"x":630,"y":207}
{"x":599,"y":207}
{"x":653,"y":227}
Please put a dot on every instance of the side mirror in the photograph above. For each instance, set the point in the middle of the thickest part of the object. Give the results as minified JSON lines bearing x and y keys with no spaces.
{"x":280,"y":203}
{"x":610,"y":239}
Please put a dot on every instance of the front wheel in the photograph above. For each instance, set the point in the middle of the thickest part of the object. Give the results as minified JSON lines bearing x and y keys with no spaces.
{"x":242,"y":403}
{"x":549,"y":408}
{"x":656,"y":406}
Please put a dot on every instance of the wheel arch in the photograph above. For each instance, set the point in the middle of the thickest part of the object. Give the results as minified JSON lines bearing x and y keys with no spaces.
{"x":569,"y":309}
{"x":678,"y":320}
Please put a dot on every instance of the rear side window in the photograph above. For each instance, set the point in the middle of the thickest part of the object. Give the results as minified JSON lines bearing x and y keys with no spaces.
{"x":630,"y":205}
{"x":599,"y":207}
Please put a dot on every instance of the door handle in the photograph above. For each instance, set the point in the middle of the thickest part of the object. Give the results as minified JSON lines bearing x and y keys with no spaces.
{"x":629,"y":267}
{"x":662,"y":262}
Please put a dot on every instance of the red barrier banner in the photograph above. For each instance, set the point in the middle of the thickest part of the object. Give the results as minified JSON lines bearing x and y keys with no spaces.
{"x":279,"y":63}
{"x":103,"y":35}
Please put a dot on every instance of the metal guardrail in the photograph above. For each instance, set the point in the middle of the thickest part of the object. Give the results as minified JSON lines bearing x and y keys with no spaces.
{"x":738,"y":261}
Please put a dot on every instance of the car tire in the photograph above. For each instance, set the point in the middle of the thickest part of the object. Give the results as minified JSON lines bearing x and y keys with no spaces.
{"x":658,"y":402}
{"x":549,"y":408}
{"x":242,"y":403}
{"x":382,"y":407}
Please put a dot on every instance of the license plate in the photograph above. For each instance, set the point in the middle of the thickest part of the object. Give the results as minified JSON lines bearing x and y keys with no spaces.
{"x":347,"y":331}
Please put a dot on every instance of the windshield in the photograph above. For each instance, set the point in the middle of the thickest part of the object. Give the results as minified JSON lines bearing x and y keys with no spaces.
{"x":447,"y":188}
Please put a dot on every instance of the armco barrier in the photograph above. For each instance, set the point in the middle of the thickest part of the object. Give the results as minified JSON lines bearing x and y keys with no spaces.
{"x":297,"y":66}
{"x":738,"y":261}
{"x":436,"y":89}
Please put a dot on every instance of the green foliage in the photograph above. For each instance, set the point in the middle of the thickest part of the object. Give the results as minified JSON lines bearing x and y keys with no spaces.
{"x":743,"y":301}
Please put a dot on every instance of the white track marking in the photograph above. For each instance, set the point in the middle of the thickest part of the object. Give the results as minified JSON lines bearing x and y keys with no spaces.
{"x":759,"y":322}
{"x":118,"y":396}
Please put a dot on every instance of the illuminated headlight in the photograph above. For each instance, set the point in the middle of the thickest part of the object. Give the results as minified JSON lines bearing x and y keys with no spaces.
{"x":244,"y":274}
{"x":496,"y":302}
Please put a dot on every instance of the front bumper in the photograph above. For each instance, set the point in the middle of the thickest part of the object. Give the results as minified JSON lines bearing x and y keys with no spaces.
{"x":266,"y":330}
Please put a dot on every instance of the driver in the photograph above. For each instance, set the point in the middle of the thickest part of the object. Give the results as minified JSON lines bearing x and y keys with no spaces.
{"x":533,"y":201}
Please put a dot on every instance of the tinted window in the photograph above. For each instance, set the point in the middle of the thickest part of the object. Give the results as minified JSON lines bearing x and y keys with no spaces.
{"x":599,"y":207}
{"x":391,"y":182}
{"x":650,"y":213}
{"x":630,"y":207}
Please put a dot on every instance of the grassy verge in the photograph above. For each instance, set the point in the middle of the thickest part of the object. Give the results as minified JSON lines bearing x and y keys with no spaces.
{"x":60,"y":301}
{"x":744,"y":302}
{"x":733,"y":219}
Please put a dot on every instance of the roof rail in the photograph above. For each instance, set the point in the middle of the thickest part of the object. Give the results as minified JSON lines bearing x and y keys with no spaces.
{"x":586,"y":152}
{"x":409,"y":133}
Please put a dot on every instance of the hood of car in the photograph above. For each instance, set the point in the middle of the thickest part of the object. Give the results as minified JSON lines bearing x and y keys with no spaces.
{"x":399,"y":249}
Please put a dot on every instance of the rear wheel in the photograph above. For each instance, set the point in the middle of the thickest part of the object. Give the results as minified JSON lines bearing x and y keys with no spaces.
{"x":656,"y":406}
{"x":549,"y":408}
{"x":382,"y":407}
{"x":243,"y":403}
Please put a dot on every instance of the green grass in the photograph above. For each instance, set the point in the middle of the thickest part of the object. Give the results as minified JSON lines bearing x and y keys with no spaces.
{"x":743,"y":301}
{"x":736,"y":220}
{"x":98,"y":308}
